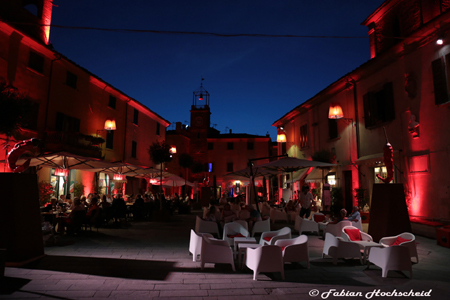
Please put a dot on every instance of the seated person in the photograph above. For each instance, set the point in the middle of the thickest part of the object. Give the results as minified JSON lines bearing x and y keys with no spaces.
{"x":227,"y":214}
{"x":342,"y":216}
{"x":51,"y":206}
{"x":93,"y":208}
{"x":223,"y":200}
{"x":290,"y":206}
{"x":211,"y":214}
{"x":236,"y":206}
{"x":355,"y":216}
{"x":255,"y":216}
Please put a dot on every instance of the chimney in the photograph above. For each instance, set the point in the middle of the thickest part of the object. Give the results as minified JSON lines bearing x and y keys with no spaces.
{"x":230,"y":131}
{"x":178,"y":126}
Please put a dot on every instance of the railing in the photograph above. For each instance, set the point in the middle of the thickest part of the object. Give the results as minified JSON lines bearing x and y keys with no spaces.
{"x":73,"y":142}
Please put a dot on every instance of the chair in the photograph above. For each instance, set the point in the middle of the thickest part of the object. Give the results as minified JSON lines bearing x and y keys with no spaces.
{"x":270,"y":237}
{"x":338,"y":248}
{"x":261,"y":226}
{"x":357,"y":224}
{"x":293,"y":214}
{"x":294,"y":250}
{"x":391,"y":258}
{"x":264,"y":208}
{"x":233,"y":229}
{"x":364,"y":236}
{"x":202,"y":226}
{"x":267,"y":258}
{"x":195,"y":244}
{"x":242,"y":222}
{"x":318,"y":217}
{"x":336,"y":229}
{"x":305,"y":225}
{"x":410,"y":243}
{"x":216,"y":251}
{"x":278,"y":214}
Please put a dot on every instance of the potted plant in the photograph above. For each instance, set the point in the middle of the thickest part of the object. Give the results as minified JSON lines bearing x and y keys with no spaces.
{"x":78,"y":189}
{"x":45,"y":192}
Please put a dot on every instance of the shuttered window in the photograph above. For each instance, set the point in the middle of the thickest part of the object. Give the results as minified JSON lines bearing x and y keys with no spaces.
{"x":439,"y":81}
{"x":379,"y":106}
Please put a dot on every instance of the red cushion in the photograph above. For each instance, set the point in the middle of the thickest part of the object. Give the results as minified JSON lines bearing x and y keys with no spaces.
{"x":236,"y":235}
{"x":267,"y":239}
{"x":282,"y":248}
{"x":319,"y":218}
{"x":399,"y":240}
{"x":353,"y":234}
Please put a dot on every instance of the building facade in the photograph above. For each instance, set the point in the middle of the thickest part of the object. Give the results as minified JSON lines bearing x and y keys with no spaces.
{"x":400,"y":95}
{"x":70,"y":104}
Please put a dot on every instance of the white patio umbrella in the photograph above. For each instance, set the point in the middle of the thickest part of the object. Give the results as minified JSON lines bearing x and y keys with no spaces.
{"x":175,"y":181}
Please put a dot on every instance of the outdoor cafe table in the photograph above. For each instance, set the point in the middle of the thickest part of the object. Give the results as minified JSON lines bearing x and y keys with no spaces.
{"x":237,"y":240}
{"x":365,"y":246}
{"x":243,"y":247}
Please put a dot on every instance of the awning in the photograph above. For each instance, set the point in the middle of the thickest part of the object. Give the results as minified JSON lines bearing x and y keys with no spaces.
{"x":376,"y":156}
{"x":68,"y":161}
{"x":316,"y":175}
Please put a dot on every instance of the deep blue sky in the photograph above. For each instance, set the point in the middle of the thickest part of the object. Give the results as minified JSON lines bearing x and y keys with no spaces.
{"x":252,"y":81}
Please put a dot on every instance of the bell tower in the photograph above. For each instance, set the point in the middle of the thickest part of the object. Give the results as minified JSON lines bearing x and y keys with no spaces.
{"x":33,"y":17}
{"x":199,"y":125}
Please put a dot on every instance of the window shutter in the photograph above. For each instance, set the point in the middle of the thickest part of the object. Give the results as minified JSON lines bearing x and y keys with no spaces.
{"x":439,"y":81}
{"x":389,"y":101}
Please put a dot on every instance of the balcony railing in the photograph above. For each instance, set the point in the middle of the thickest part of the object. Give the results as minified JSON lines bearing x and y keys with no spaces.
{"x":73,"y":142}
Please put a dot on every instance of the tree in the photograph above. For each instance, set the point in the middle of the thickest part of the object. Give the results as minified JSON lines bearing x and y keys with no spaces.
{"x":185,"y":161}
{"x":14,"y":112}
{"x":160,"y":154}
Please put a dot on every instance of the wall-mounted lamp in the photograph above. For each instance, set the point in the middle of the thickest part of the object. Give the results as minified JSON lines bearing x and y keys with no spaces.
{"x":281,"y":137}
{"x":173,"y":149}
{"x":110,"y":125}
{"x":439,"y":41}
{"x":335,"y":112}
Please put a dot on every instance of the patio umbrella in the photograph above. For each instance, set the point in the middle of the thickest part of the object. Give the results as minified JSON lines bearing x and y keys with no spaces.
{"x":175,"y":181}
{"x":292,"y":164}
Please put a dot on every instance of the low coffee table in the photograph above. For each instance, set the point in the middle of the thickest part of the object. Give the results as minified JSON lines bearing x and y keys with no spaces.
{"x":238,"y":240}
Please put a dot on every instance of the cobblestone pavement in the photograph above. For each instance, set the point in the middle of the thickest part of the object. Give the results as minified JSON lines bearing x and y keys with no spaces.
{"x":146,"y":260}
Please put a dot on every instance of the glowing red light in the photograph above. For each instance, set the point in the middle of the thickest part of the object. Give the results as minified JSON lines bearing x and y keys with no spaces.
{"x":119,"y":177}
{"x":62,"y":172}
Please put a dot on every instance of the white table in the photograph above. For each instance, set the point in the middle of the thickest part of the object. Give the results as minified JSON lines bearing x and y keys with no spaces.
{"x":238,"y":240}
{"x":243,"y":247}
{"x":365,"y":246}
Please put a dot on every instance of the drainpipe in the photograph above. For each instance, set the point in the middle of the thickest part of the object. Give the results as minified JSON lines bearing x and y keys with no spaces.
{"x":355,"y":99}
{"x":58,"y":57}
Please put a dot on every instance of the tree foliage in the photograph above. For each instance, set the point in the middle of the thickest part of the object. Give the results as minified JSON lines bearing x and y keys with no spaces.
{"x":160,"y":152}
{"x":14,"y":110}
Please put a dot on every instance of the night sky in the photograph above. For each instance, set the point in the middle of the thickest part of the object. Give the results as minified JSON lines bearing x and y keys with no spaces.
{"x":253,"y":81}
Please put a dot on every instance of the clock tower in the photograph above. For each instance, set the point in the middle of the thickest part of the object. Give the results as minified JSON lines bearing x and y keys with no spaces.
{"x":200,"y":120}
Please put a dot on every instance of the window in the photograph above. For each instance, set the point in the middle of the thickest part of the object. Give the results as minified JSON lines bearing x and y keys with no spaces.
{"x":135,"y":116}
{"x":30,"y":120}
{"x":379,"y":106}
{"x":112,"y":101}
{"x":332,"y":128}
{"x":440,"y":80}
{"x":66,"y":123}
{"x":36,"y":62}
{"x":230,"y":145}
{"x":382,"y":171}
{"x":158,"y":128}
{"x":71,"y":80}
{"x":250,"y":145}
{"x":230,"y":167}
{"x":210,"y":146}
{"x":133,"y":149}
{"x":109,"y":139}
{"x":303,"y":136}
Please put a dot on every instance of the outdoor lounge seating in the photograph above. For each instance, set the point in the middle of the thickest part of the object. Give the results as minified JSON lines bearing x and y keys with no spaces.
{"x":294,"y":250}
{"x":242,"y":222}
{"x":267,"y":258}
{"x":336,"y":229}
{"x":305,"y":225}
{"x":278,"y":214}
{"x":337,"y":248}
{"x":347,"y":235}
{"x":404,"y":239}
{"x":195,"y":244}
{"x":216,"y":251}
{"x":391,"y":258}
{"x":270,"y":237}
{"x":232,"y":230}
{"x":202,"y":226}
{"x":261,"y":226}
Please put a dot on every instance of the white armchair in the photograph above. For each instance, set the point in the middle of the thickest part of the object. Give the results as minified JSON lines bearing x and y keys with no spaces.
{"x":202,"y":226}
{"x":195,"y":244}
{"x":305,"y":225}
{"x":338,"y":248}
{"x":278,"y":214}
{"x":336,"y":229}
{"x":242,"y":222}
{"x":364,"y":236}
{"x":261,"y":226}
{"x":357,"y":224}
{"x":270,"y":237}
{"x":392,"y":258}
{"x":267,"y":258}
{"x":216,"y":251}
{"x":230,"y":230}
{"x":294,"y":250}
{"x":404,"y":239}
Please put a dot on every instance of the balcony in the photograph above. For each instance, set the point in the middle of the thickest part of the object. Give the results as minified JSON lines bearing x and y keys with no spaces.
{"x":73,"y":142}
